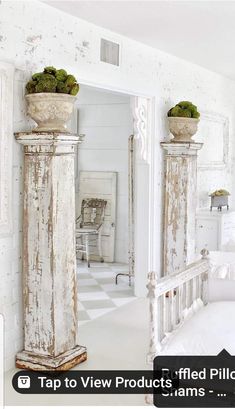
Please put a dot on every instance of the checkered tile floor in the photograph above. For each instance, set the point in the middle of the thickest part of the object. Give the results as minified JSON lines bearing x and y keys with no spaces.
{"x":97,"y":292}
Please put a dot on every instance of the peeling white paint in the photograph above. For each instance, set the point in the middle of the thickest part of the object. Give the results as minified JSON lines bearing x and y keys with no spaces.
{"x":180,"y":205}
{"x":172,"y":298}
{"x":49,"y":257}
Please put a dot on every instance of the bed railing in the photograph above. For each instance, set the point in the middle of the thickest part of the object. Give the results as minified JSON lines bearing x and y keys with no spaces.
{"x":172,"y":298}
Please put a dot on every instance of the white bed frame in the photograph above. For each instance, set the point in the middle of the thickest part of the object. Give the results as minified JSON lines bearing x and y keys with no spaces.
{"x":171,"y":297}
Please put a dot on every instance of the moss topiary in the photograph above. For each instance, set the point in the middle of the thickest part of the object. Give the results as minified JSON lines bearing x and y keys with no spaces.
{"x":62,"y":87}
{"x":50,"y":70}
{"x":30,"y":87}
{"x":74,"y":90}
{"x":37,"y":76}
{"x":52,"y":80}
{"x":47,"y":84}
{"x":61,"y":75}
{"x":184,"y":109}
{"x":70,"y":80}
{"x":220,"y":192}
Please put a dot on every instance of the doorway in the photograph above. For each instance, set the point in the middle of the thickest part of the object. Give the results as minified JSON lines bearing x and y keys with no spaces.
{"x":104,"y":171}
{"x":142,"y":248}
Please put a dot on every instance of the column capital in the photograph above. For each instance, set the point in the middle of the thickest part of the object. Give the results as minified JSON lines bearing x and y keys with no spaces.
{"x":48,"y":142}
{"x":45,"y":138}
{"x":181,"y":148}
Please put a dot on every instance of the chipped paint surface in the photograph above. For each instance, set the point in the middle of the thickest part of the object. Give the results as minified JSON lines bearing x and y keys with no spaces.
{"x":180,"y":205}
{"x":49,"y":259}
{"x":63,"y":362}
{"x":170,"y":298}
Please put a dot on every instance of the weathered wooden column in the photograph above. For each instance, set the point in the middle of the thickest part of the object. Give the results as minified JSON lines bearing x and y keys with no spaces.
{"x":180,"y":204}
{"x":49,"y":258}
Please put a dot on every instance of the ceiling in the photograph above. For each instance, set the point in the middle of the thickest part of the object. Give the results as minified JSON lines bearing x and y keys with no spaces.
{"x":202,"y":32}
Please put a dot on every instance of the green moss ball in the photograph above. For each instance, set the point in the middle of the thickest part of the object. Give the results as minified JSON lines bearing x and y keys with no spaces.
{"x":74,"y":90}
{"x":61,"y":75}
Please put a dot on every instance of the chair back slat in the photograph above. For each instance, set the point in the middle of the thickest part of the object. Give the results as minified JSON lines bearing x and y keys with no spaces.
{"x":92,"y":212}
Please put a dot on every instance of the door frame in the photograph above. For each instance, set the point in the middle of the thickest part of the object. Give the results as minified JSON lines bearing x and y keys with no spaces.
{"x":145,"y":234}
{"x":142,"y":110}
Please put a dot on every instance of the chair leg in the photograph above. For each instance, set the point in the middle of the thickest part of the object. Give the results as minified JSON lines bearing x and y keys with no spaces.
{"x":82,"y":244}
{"x":100,"y":247}
{"x":87,"y":251}
{"x":78,"y":246}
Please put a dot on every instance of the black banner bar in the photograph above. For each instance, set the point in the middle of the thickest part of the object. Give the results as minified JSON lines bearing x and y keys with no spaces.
{"x":90,"y":382}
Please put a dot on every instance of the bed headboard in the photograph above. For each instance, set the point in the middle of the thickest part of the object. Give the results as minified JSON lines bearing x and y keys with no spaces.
{"x":173,"y":297}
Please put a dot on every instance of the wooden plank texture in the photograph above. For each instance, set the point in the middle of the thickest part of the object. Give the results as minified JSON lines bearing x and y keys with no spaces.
{"x":49,"y":259}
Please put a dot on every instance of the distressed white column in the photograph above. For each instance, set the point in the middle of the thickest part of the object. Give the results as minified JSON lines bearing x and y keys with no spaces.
{"x":49,"y":257}
{"x":180,"y":205}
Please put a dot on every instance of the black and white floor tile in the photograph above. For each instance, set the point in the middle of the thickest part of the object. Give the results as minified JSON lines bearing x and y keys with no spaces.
{"x":97,"y":292}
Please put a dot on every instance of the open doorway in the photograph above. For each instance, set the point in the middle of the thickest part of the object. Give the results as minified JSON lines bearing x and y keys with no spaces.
{"x":105,"y":172}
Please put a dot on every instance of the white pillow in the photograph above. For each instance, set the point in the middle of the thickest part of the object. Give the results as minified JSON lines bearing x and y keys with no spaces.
{"x":221,"y":290}
{"x":221,"y":271}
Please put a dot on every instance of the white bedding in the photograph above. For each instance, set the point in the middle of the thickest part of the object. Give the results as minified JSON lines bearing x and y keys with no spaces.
{"x":222,"y":264}
{"x":221,"y":282}
{"x":221,"y":290}
{"x":206,"y":333}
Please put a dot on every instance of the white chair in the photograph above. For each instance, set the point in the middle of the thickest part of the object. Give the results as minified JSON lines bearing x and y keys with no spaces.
{"x":89,"y":227}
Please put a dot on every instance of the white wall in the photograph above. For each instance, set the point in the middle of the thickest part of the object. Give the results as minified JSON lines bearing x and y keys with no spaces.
{"x":10,"y":246}
{"x":106,"y":120}
{"x":34,"y":35}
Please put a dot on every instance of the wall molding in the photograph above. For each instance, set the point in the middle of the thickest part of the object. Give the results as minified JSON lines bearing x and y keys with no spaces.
{"x":141,"y":113}
{"x":6,"y":141}
{"x":221,"y":123}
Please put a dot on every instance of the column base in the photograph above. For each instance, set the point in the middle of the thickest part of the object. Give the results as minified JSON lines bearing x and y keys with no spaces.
{"x":63,"y":362}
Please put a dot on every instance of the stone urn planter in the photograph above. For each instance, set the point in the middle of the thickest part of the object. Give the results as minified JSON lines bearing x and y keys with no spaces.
{"x":51,"y":111}
{"x":50,"y":97}
{"x":182,"y":128}
{"x":183,"y":121}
